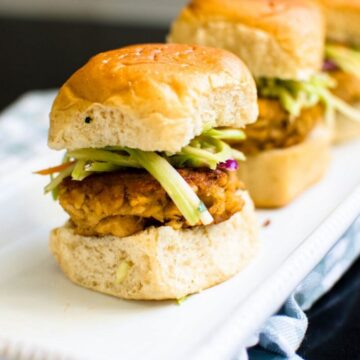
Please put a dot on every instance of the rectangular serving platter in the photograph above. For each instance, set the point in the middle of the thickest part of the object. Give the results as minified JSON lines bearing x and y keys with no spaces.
{"x":45,"y":316}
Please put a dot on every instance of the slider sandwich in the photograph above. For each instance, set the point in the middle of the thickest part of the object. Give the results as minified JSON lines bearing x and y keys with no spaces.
{"x":156,"y":210}
{"x":282,"y":43}
{"x":342,"y":61}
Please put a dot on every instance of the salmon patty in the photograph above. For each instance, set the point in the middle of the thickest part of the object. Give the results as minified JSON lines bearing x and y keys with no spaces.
{"x":127,"y":202}
{"x":276,"y":128}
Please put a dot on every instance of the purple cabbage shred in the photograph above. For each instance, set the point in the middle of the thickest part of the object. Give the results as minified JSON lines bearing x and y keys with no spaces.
{"x":329,"y":65}
{"x":230,"y":164}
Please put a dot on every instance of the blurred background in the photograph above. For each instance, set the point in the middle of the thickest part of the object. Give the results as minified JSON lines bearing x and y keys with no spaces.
{"x":43,"y":41}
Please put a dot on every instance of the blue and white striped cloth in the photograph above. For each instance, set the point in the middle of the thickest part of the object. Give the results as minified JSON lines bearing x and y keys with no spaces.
{"x":23,"y":129}
{"x":282,"y":334}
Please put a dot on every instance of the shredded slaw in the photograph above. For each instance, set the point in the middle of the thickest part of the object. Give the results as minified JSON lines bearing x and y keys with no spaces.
{"x":206,"y":150}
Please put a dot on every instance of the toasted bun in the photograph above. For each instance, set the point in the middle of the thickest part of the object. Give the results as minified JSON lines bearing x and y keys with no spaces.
{"x":275,"y":38}
{"x":276,"y":177}
{"x":343,"y":20}
{"x":164,"y":263}
{"x":153,"y":97}
{"x":345,"y":128}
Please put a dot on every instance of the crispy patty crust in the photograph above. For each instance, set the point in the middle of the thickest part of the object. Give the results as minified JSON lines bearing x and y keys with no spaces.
{"x":276,"y":128}
{"x":126,"y":202}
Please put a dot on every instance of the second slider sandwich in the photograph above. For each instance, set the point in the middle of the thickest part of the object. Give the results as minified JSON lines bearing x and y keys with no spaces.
{"x":343,"y":62}
{"x":282,"y":42}
{"x":156,"y":210}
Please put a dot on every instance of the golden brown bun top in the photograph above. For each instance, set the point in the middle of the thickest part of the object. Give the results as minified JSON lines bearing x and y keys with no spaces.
{"x":292,"y":32}
{"x":343,"y":20}
{"x":342,"y":4}
{"x":137,"y":67}
{"x":256,"y":13}
{"x":300,"y":17}
{"x":133,"y":92}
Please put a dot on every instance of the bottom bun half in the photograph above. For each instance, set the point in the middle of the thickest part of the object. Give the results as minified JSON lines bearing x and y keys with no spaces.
{"x":159,"y":262}
{"x":275,"y":177}
{"x":345,"y":128}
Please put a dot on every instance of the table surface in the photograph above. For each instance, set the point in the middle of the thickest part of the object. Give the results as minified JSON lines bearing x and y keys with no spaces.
{"x":38,"y":54}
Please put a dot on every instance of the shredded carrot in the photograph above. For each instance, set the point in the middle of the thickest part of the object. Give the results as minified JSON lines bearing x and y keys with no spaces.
{"x":54,"y":169}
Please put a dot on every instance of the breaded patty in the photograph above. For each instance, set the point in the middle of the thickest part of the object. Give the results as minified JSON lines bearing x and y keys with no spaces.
{"x":276,"y":128}
{"x":348,"y":86}
{"x":126,"y":202}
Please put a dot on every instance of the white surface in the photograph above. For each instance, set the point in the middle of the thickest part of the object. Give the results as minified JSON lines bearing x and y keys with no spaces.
{"x":40,"y":310}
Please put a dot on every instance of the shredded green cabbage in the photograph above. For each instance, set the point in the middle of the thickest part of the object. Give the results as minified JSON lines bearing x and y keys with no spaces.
{"x":225,"y":134}
{"x":182,"y":299}
{"x":103,"y":155}
{"x":55,"y":191}
{"x":345,"y":58}
{"x":101,"y":167}
{"x":55,"y":182}
{"x":122,"y":272}
{"x":174,"y":184}
{"x":79,"y":173}
{"x":295,"y":96}
{"x":206,"y":150}
{"x":333,"y":103}
{"x":209,"y":150}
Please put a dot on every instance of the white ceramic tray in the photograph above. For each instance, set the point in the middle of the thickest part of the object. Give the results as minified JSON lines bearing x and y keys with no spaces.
{"x":45,"y":316}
